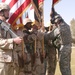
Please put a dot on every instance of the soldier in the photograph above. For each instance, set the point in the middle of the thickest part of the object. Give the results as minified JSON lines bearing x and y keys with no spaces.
{"x":21,"y":50}
{"x":6,"y":43}
{"x":38,"y":68}
{"x":66,"y":43}
{"x":34,"y":48}
{"x":51,"y":59}
{"x":29,"y":45}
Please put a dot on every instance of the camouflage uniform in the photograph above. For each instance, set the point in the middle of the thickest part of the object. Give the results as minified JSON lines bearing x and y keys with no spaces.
{"x":51,"y":60}
{"x":6,"y":48}
{"x":39,"y":68}
{"x":34,"y":48}
{"x":21,"y":51}
{"x":7,"y":52}
{"x":65,"y":49}
{"x":6,"y":56}
{"x":29,"y":46}
{"x":50,"y":53}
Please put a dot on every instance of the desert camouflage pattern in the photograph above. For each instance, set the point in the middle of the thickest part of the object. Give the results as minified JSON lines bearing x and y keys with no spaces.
{"x":51,"y":58}
{"x":19,"y":63}
{"x":6,"y":53}
{"x":33,"y":43}
{"x":29,"y":47}
{"x":4,"y":6}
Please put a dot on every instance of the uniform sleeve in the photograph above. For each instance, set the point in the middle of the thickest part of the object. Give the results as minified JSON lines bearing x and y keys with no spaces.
{"x":49,"y":36}
{"x":6,"y":43}
{"x":56,"y":32}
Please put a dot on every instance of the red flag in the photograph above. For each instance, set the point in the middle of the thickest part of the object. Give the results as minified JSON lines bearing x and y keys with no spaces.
{"x":55,"y":1}
{"x":18,"y":7}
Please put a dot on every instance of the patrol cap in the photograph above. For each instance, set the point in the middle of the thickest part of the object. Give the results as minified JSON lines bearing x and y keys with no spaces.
{"x":26,"y":20}
{"x":4,"y":6}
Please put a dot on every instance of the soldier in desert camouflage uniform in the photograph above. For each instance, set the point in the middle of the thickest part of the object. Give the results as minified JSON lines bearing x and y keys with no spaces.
{"x":33,"y":45}
{"x":20,"y":50}
{"x":7,"y":51}
{"x":37,"y":36}
{"x":51,"y":59}
{"x":29,"y":46}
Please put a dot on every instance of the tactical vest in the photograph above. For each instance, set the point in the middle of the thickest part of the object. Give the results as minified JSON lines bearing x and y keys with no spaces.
{"x":29,"y":44}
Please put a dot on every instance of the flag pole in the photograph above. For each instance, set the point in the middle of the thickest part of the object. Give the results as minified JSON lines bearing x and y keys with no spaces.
{"x":41,"y":8}
{"x":37,"y":12}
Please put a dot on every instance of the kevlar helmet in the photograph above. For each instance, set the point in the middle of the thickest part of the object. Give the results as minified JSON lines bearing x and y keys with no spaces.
{"x":57,"y":18}
{"x":4,"y":6}
{"x":26,"y":20}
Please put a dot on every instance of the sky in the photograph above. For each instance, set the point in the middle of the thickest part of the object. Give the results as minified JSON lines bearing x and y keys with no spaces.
{"x":66,"y":8}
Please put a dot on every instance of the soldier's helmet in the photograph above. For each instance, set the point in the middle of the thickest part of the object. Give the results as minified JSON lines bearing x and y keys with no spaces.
{"x":57,"y":18}
{"x":4,"y":6}
{"x":26,"y":20}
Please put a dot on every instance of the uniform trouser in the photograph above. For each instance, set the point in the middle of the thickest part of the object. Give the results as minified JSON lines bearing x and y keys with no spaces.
{"x":51,"y":61}
{"x":28,"y":66}
{"x":38,"y":68}
{"x":65,"y":59}
{"x":7,"y":69}
{"x":21,"y":71}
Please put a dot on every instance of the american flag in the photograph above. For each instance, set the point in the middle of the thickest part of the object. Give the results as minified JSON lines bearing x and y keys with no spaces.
{"x":18,"y":7}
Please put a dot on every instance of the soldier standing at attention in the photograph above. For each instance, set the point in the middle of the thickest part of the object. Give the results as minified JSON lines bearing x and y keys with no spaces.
{"x":32,"y":37}
{"x":37,"y":36}
{"x":20,"y":50}
{"x":6,"y":43}
{"x":29,"y":45}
